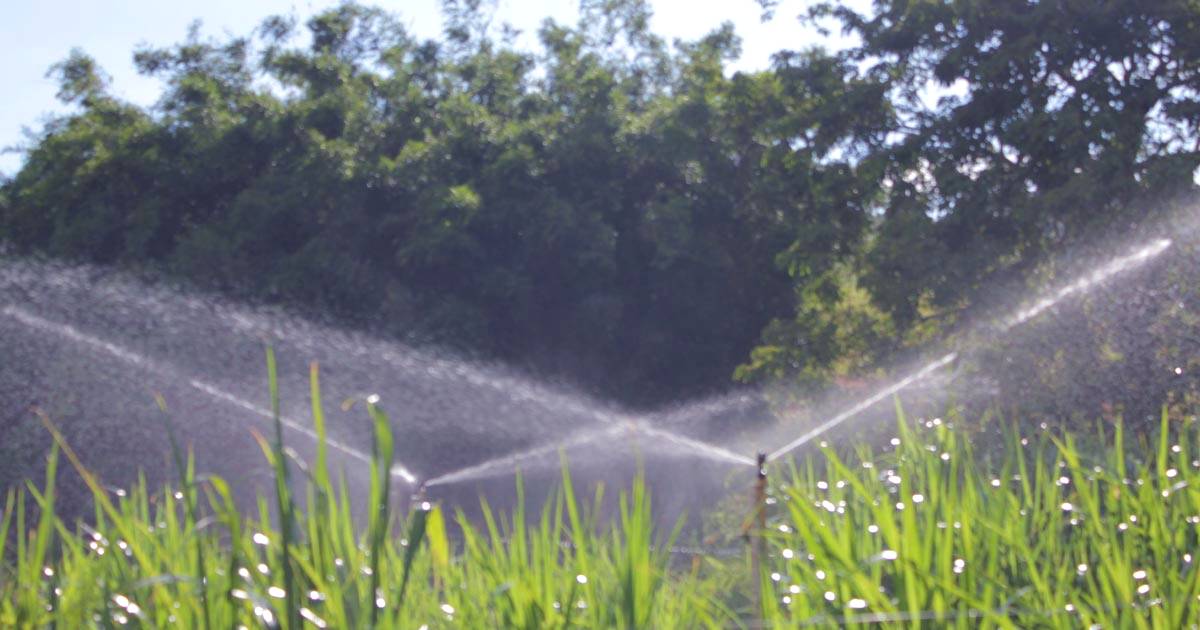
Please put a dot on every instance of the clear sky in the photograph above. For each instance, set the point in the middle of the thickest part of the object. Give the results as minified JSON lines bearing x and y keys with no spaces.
{"x":35,"y":35}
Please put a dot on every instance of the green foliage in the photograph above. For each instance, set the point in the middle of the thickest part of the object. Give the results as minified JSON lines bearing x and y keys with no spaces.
{"x":1038,"y":531}
{"x":157,"y":558}
{"x":1033,"y":530}
{"x":1055,"y":122}
{"x":617,"y":209}
{"x":469,"y":192}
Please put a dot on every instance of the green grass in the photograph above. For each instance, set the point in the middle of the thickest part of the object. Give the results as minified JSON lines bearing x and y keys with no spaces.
{"x":1037,"y":532}
{"x":1023,"y":531}
{"x":186,"y":556}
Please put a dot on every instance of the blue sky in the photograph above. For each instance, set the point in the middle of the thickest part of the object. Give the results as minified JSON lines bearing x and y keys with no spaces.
{"x":35,"y":35}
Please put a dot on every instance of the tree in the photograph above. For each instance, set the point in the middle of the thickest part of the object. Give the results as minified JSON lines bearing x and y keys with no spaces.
{"x":1055,"y":119}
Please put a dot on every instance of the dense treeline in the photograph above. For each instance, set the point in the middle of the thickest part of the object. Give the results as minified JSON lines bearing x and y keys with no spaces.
{"x":618,"y":209}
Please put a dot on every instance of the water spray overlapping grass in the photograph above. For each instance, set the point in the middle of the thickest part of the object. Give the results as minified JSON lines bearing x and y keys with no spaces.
{"x":186,"y":556}
{"x":1037,"y":531}
{"x":1032,"y":531}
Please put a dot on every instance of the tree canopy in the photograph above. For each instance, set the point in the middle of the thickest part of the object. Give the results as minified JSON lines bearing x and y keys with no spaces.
{"x":624,"y":212}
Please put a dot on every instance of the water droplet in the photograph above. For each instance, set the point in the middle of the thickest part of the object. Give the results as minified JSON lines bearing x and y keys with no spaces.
{"x":448,"y":609}
{"x":873,"y":528}
{"x":857,"y":604}
{"x":261,"y":539}
{"x":1069,"y":608}
{"x":276,"y":592}
{"x":788,"y":554}
{"x":1140,"y":574}
{"x":794,"y":589}
{"x":264,"y":569}
{"x":830,"y":596}
{"x":1171,"y":473}
{"x":1143,"y":589}
{"x":1067,"y":507}
{"x":821,"y":485}
{"x":828,"y":506}
{"x":238,"y":593}
{"x":895,"y":441}
{"x":995,"y":483}
{"x":581,"y":578}
{"x":121,"y":600}
{"x":265,"y":614}
{"x":48,"y":572}
{"x":894,"y":479}
{"x":313,"y":618}
{"x":889,"y":554}
{"x":316,"y":596}
{"x":373,"y":399}
{"x":820,"y":574}
{"x":775,"y":577}
{"x":959,"y":565}
{"x":918,"y":498}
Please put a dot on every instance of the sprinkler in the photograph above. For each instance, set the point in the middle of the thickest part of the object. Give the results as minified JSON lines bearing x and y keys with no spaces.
{"x":758,"y":521}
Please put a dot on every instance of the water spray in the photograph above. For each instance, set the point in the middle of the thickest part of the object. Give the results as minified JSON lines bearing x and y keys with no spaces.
{"x":863,"y":406}
{"x":1109,"y":269}
{"x":135,"y":359}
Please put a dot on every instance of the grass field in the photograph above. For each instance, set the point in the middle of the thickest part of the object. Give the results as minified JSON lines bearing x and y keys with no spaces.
{"x":950,"y":526}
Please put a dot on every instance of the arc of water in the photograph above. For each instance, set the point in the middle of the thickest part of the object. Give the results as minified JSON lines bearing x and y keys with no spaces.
{"x":397,"y":470}
{"x":709,"y":450}
{"x":1110,"y":268}
{"x":1105,"y":271}
{"x":506,"y":463}
{"x":133,"y":358}
{"x":862,"y":406}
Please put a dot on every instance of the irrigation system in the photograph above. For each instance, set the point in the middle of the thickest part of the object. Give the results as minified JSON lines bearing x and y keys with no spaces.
{"x":613,"y":426}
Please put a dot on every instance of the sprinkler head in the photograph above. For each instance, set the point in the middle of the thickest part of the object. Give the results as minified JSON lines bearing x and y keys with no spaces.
{"x":760,"y":461}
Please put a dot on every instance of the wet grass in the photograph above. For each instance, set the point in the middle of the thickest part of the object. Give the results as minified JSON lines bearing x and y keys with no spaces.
{"x":185,"y":556}
{"x":1033,"y":531}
